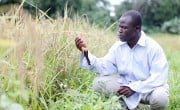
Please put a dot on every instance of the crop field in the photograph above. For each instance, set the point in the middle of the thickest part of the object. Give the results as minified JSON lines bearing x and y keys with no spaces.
{"x":40,"y":64}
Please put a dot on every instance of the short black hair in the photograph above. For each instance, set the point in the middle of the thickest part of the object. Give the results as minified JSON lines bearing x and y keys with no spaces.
{"x":136,"y":17}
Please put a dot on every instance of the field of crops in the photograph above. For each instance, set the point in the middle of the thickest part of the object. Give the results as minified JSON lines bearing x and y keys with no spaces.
{"x":40,"y":64}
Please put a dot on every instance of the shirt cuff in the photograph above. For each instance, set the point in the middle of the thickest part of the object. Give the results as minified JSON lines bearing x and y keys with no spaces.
{"x":140,"y":87}
{"x":133,"y":101}
{"x":84,"y":63}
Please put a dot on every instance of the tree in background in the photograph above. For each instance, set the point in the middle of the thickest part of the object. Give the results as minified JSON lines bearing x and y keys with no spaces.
{"x":154,"y":12}
{"x":95,"y":10}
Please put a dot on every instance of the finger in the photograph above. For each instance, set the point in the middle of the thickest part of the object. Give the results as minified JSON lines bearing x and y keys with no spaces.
{"x":123,"y":91}
{"x":77,"y":38}
{"x":127,"y":93}
{"x":79,"y":42}
{"x":120,"y":90}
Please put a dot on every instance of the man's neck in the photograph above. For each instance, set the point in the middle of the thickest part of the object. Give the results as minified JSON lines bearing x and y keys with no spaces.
{"x":134,"y":41}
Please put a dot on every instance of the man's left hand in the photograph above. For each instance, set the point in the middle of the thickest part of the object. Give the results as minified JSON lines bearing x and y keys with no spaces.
{"x":126,"y":91}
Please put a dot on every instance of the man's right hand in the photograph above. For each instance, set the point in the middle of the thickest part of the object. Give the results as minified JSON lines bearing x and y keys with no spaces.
{"x":82,"y":47}
{"x":80,"y":44}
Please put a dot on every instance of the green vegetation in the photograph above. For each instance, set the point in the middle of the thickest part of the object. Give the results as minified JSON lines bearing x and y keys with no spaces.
{"x":171,"y":45}
{"x":94,"y":10}
{"x":172,"y":26}
{"x":156,"y":14}
{"x":40,"y":63}
{"x":40,"y":67}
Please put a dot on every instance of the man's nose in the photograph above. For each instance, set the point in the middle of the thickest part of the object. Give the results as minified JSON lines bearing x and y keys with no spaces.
{"x":120,"y":30}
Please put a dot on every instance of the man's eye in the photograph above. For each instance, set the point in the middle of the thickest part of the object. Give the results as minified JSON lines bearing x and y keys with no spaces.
{"x":124,"y":27}
{"x":121,"y":27}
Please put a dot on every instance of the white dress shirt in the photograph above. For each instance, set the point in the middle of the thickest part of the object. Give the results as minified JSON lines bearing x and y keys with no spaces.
{"x":142,"y":68}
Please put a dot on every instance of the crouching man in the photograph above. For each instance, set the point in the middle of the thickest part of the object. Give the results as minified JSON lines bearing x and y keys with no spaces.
{"x":139,"y":63}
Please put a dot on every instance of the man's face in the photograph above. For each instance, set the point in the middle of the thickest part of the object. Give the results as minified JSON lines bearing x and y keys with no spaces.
{"x":126,"y":30}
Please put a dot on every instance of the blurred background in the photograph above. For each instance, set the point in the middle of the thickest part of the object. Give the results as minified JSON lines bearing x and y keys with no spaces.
{"x":39,"y":62}
{"x":158,"y":15}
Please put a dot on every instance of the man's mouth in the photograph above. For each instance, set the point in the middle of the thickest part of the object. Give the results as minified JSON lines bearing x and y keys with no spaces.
{"x":120,"y":35}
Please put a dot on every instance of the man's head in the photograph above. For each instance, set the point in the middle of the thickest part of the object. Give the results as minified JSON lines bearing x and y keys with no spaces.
{"x":129,"y":25}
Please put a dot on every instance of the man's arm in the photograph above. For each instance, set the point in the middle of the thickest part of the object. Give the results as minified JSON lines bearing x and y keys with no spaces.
{"x":158,"y":73}
{"x":103,"y":66}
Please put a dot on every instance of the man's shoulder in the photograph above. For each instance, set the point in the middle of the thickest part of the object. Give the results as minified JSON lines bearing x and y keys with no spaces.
{"x":151,"y":43}
{"x":116,"y":45}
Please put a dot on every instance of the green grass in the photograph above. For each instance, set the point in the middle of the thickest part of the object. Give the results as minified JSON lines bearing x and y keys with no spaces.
{"x":171,"y":45}
{"x":41,"y":71}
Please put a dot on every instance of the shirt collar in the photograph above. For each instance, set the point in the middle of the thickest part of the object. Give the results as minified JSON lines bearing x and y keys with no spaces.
{"x":141,"y":40}
{"x":121,"y":43}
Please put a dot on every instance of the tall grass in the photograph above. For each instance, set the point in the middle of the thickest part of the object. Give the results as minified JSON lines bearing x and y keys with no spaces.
{"x":171,"y":45}
{"x":40,"y":64}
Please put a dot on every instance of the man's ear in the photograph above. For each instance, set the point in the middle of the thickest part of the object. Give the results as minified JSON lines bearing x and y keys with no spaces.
{"x":138,"y":28}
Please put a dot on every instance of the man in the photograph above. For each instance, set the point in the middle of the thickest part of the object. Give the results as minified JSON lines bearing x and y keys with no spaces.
{"x":139,"y":62}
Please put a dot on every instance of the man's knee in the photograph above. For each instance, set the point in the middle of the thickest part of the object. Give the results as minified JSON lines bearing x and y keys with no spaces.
{"x":107,"y":85}
{"x":159,"y":99}
{"x":98,"y":84}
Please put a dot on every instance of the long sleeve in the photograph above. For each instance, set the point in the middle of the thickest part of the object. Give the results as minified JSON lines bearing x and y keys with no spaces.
{"x":102,"y":66}
{"x":142,"y":68}
{"x":158,"y":73}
